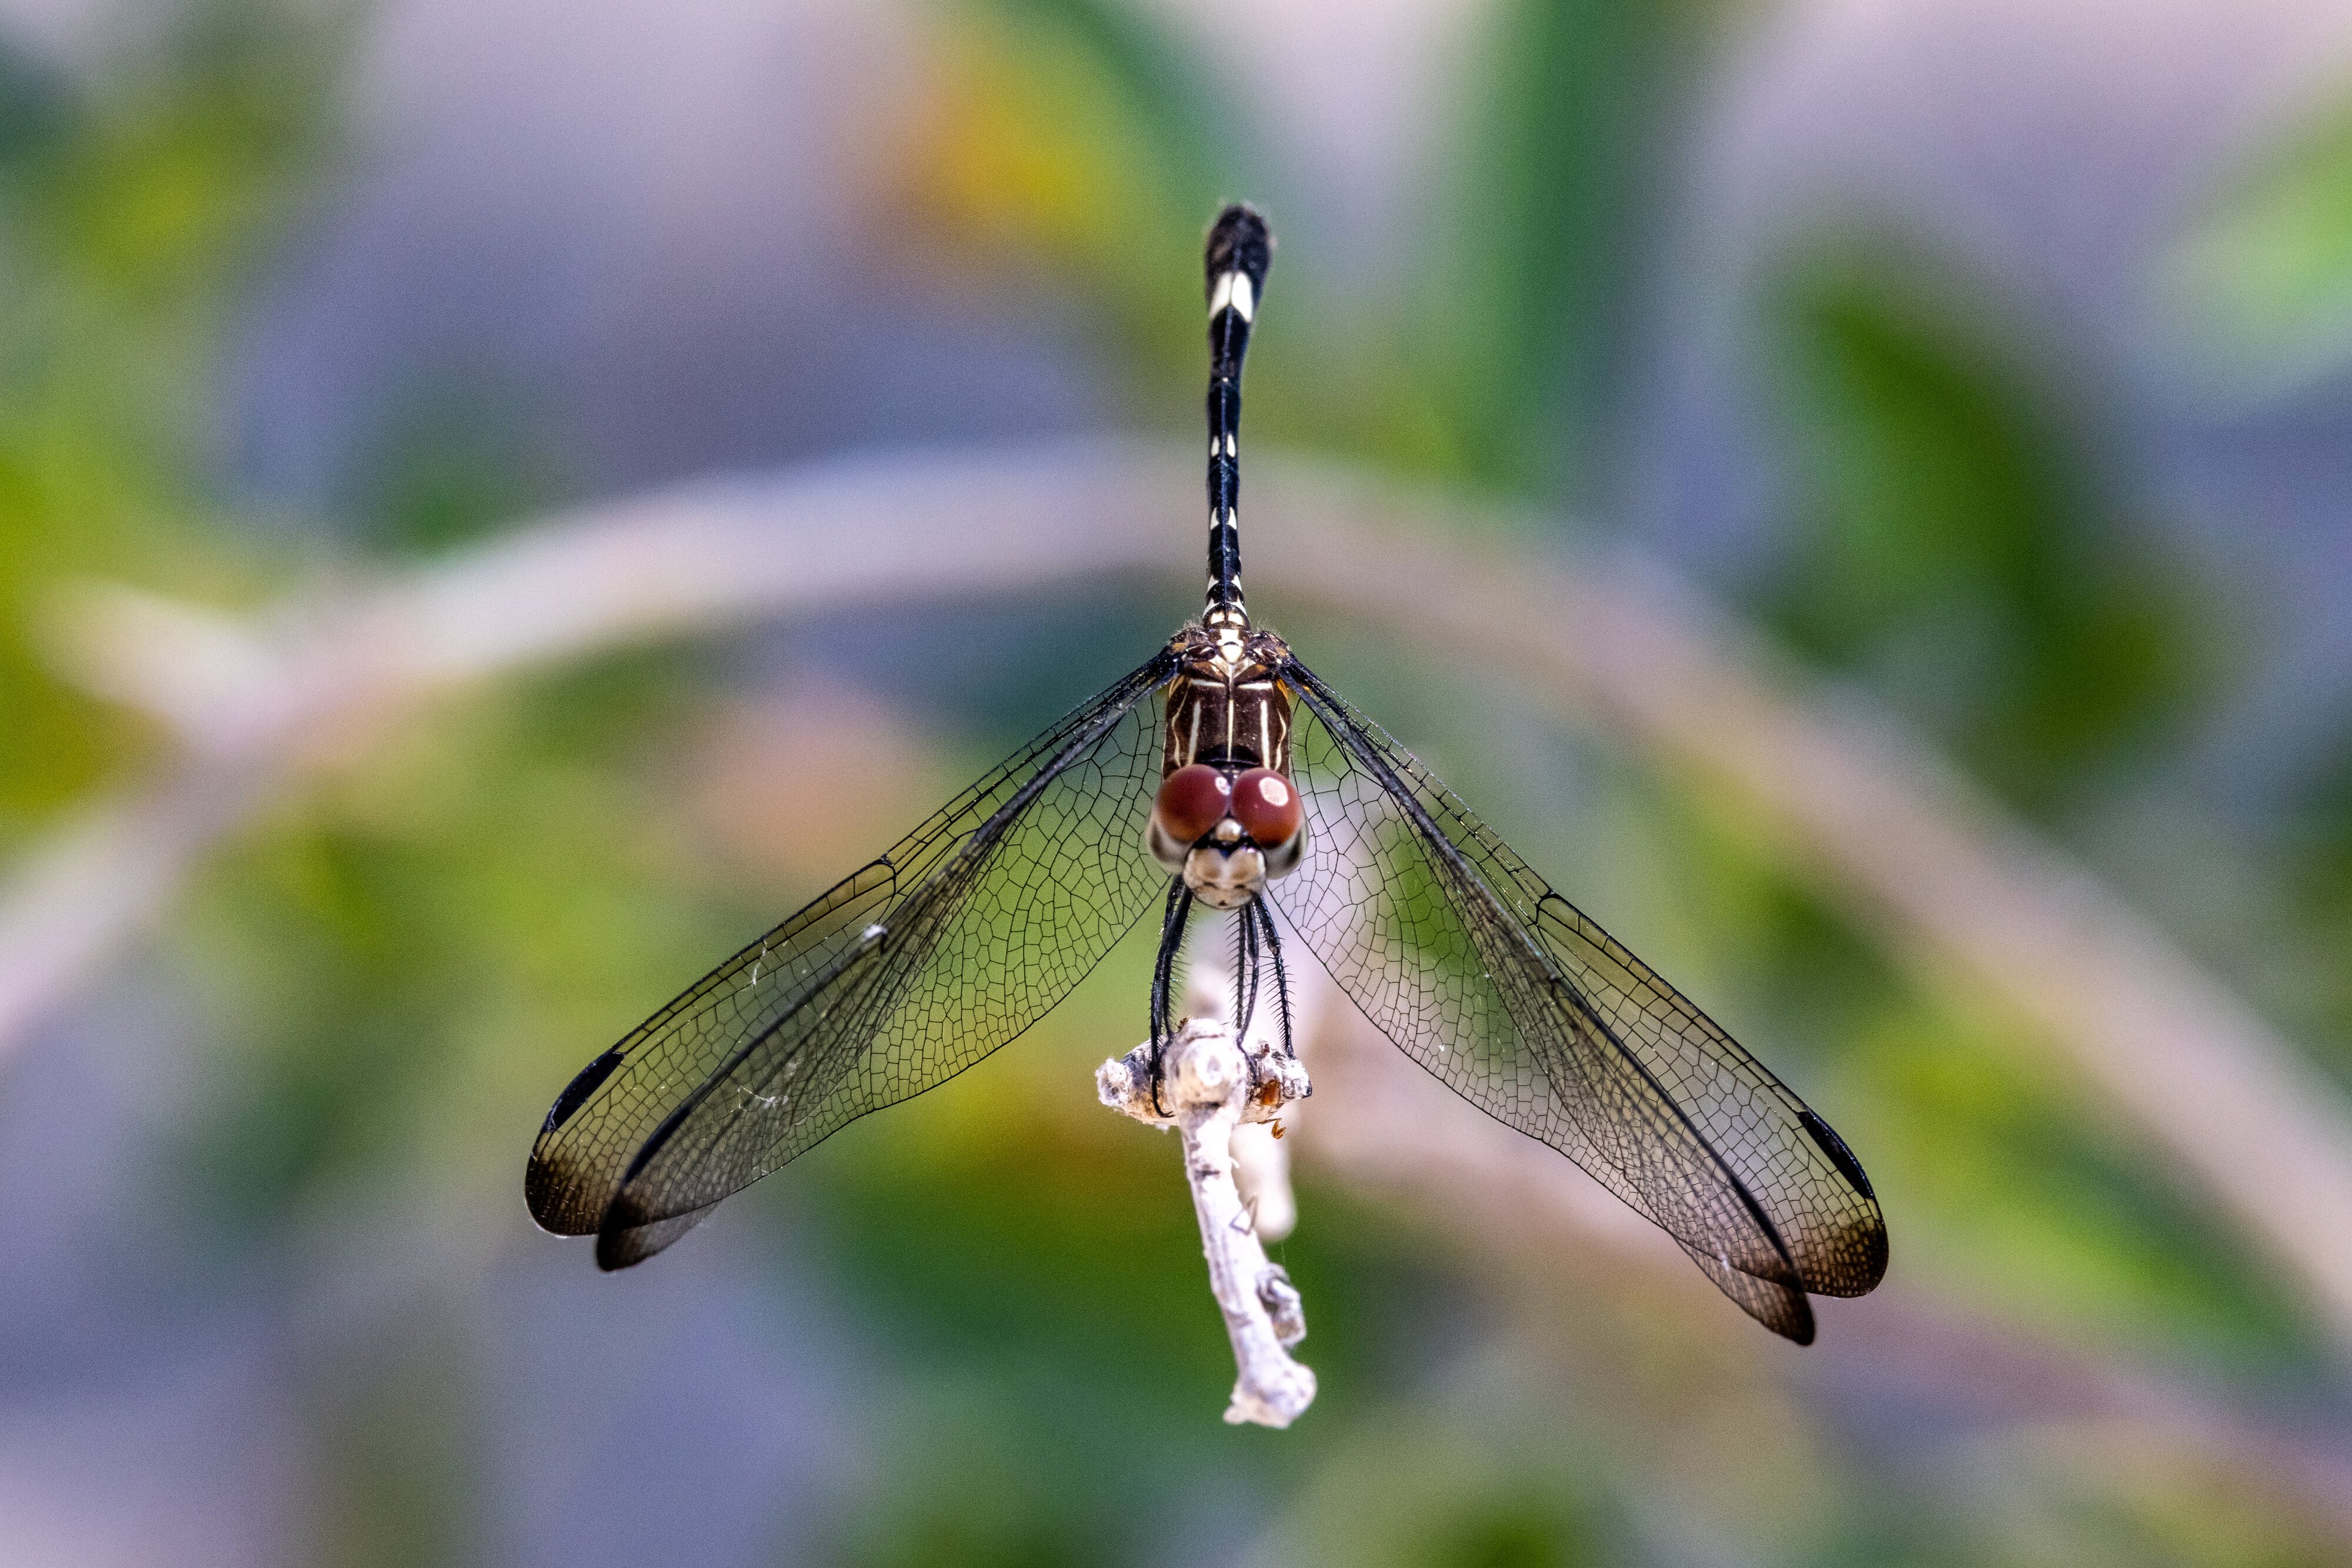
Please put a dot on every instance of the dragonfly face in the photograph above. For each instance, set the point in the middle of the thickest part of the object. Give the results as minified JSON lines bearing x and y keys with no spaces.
{"x":1227,"y":817}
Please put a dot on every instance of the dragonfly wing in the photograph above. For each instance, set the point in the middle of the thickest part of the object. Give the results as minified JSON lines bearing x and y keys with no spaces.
{"x":895,"y":981}
{"x":1480,"y":972}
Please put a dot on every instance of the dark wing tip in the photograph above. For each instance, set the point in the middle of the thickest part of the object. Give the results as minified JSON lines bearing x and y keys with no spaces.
{"x":629,"y":1234}
{"x":1861,"y":1260}
{"x":1239,"y":241}
{"x":1857,"y":1250}
{"x":563,"y":1197}
{"x":1874,"y":1265}
{"x":1777,"y":1302}
{"x":1780,"y":1308}
{"x":571,"y":1197}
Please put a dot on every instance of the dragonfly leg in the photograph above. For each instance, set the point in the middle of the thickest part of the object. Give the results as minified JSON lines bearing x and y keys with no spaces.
{"x":1245,"y":968}
{"x":1162,"y":966}
{"x":1265,"y":917}
{"x":1171,"y":942}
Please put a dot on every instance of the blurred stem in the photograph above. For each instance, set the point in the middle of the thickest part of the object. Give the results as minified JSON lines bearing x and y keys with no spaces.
{"x":1561,"y":186}
{"x":1855,"y":806}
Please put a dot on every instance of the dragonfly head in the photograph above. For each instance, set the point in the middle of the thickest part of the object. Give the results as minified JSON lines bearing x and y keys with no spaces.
{"x":1226,"y":831}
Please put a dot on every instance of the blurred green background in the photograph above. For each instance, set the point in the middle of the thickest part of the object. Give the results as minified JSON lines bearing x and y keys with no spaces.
{"x":1993,"y":361}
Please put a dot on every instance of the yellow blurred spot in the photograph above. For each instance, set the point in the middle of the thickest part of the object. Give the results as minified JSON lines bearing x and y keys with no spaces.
{"x":1025,"y":151}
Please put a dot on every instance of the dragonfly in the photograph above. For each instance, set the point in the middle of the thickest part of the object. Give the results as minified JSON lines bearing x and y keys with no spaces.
{"x":1223,"y":773}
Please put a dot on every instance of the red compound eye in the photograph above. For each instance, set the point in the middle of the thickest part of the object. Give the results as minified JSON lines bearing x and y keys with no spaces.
{"x":1193,"y":799}
{"x":1266,"y":805}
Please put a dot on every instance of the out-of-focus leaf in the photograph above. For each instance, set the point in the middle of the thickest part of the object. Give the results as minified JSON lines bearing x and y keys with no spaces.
{"x":1954,"y":541}
{"x":2314,"y":844}
{"x":2262,"y":281}
{"x":170,"y":177}
{"x":1169,"y":89}
{"x":37,"y":105}
{"x":127,"y":209}
{"x":1078,"y":136}
{"x":455,"y":464}
{"x":472,"y":909}
{"x":1537,"y":276}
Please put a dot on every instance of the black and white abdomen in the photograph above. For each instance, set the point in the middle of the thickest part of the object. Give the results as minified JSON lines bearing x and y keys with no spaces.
{"x":1227,"y":818}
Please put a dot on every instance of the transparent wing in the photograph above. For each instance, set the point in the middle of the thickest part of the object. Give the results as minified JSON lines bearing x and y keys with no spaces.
{"x":899,"y":978}
{"x":1480,"y":972}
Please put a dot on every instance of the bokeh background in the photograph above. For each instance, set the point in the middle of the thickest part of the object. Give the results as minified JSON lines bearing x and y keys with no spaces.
{"x":1984,"y":365}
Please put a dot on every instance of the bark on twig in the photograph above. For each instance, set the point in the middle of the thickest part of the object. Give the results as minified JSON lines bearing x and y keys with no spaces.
{"x":1209,"y":1086}
{"x":1212,"y":1085}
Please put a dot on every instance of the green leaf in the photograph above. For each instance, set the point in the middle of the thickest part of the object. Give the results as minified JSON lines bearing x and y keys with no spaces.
{"x":2262,"y":279}
{"x":1955,"y":538}
{"x":1531,"y":329}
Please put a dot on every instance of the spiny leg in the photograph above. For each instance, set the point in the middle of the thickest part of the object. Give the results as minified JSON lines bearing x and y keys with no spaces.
{"x":1281,"y":979}
{"x":1163,"y":966}
{"x":1246,"y":970}
{"x":1171,"y":942}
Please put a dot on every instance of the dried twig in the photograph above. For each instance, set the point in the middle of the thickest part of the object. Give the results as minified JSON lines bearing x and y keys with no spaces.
{"x":1209,"y":1086}
{"x":1216,"y":1086}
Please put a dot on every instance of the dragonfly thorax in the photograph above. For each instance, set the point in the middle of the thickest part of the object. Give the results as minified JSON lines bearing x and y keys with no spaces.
{"x":1227,"y":817}
{"x":1226,"y":705}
